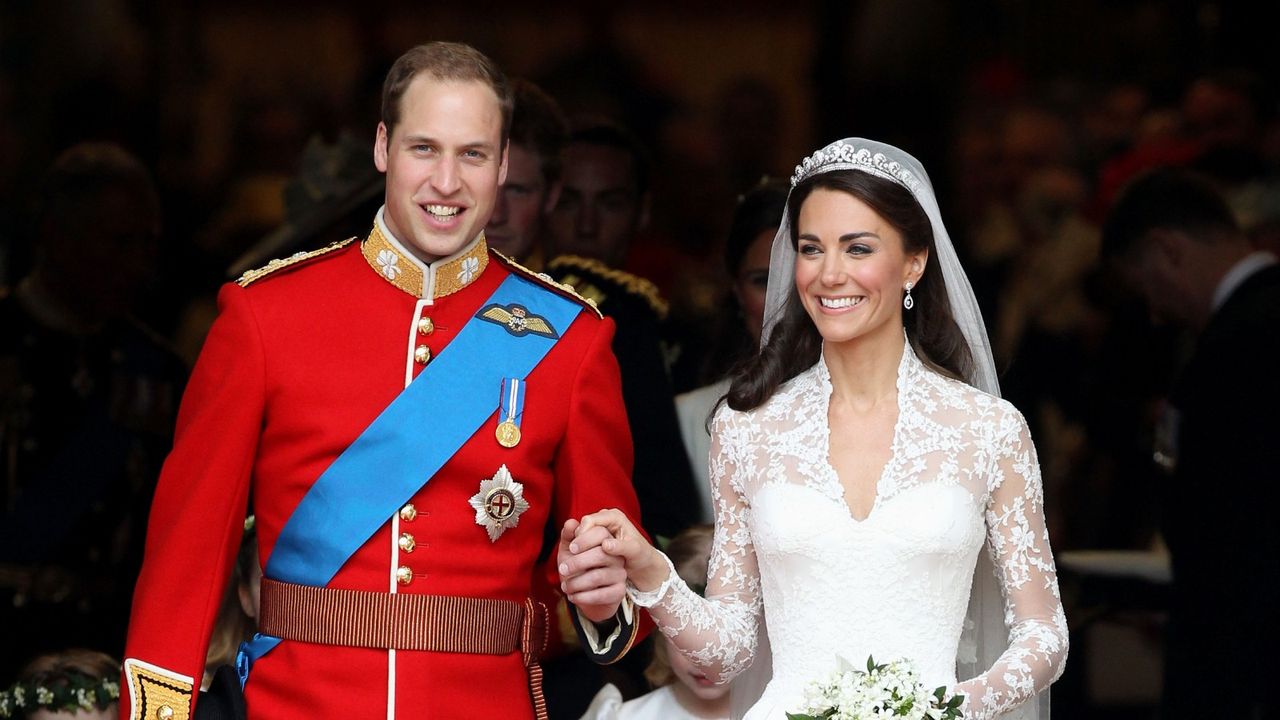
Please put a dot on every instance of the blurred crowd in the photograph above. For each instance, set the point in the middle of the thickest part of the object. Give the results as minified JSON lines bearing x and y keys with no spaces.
{"x":659,"y":208}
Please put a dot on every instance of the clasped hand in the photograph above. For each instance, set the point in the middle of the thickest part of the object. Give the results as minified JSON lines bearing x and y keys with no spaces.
{"x":596,"y":557}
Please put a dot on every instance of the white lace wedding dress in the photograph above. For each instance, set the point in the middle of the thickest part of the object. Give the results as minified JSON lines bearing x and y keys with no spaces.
{"x":893,"y":585}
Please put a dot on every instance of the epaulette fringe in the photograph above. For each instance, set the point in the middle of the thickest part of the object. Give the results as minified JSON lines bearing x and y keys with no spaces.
{"x":546,"y":279}
{"x":252,"y":276}
{"x":633,"y":284}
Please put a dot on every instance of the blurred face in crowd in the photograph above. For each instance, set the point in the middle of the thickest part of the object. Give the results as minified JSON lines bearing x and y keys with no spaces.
{"x":752,"y":282}
{"x":101,"y":259}
{"x":1154,"y":269}
{"x":523,"y":200}
{"x":601,"y":209}
{"x":851,"y":267}
{"x":444,"y":161}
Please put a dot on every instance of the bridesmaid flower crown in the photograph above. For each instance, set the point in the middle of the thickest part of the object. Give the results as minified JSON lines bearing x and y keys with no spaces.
{"x":843,"y":156}
{"x":70,"y":691}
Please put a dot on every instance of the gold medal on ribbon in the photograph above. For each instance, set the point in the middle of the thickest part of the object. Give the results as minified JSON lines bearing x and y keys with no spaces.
{"x":511,"y":411}
{"x":508,"y":434}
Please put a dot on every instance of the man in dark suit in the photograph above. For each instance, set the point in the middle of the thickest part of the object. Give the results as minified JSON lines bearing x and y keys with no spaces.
{"x":1175,"y":242}
{"x":532,"y":189}
{"x":603,"y":207}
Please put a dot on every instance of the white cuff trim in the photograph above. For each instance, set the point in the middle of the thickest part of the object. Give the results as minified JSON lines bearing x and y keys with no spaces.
{"x":625,"y":618}
{"x":653,"y":597}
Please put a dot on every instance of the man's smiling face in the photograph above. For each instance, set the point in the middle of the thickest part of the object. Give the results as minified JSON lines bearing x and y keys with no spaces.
{"x":444,"y":161}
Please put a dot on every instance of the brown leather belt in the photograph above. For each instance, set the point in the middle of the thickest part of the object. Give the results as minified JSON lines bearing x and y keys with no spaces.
{"x":405,"y":621}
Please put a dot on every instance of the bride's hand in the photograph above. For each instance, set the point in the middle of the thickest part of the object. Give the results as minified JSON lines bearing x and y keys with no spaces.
{"x":613,"y":532}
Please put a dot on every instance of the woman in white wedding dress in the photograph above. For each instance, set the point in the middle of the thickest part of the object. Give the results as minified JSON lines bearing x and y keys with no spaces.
{"x":869,"y":484}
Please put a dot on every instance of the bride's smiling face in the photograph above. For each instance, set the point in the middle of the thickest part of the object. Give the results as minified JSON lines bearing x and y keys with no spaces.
{"x":851,"y":268}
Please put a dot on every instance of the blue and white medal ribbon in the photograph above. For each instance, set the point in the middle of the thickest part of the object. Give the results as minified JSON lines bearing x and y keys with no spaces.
{"x":511,"y":411}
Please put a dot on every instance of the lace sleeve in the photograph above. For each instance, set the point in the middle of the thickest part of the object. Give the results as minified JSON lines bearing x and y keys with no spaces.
{"x":1019,"y":544}
{"x":717,"y":632}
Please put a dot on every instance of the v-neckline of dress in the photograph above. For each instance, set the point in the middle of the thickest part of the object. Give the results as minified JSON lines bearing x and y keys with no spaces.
{"x":833,"y":476}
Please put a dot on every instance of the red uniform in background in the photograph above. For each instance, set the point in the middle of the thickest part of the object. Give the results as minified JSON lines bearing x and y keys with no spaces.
{"x":304,"y":355}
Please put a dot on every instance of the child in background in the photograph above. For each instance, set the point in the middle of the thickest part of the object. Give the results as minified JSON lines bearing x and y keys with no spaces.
{"x":238,"y":616}
{"x":682,"y":691}
{"x":74,"y":684}
{"x":221,"y":697}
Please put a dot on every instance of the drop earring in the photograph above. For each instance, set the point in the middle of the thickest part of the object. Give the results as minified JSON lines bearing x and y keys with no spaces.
{"x":908,"y":302}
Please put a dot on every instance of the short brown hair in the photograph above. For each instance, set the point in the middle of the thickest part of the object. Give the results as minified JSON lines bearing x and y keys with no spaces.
{"x":602,"y":132}
{"x":444,"y":61}
{"x":83,"y":172}
{"x":91,"y":663}
{"x":1168,"y":198}
{"x":538,"y":125}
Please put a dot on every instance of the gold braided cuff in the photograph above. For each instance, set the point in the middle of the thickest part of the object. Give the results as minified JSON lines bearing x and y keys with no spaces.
{"x":156,"y":693}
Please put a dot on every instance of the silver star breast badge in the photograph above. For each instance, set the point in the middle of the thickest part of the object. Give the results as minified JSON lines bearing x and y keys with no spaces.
{"x":499,"y":503}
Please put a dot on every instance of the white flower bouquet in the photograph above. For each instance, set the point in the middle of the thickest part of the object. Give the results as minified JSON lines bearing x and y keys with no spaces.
{"x":891,"y":690}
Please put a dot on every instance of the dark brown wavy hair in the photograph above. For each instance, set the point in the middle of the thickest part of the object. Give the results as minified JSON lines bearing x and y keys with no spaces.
{"x":795,"y":345}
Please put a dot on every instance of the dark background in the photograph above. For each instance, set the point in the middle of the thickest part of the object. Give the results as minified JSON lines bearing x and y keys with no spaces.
{"x":1028,"y":115}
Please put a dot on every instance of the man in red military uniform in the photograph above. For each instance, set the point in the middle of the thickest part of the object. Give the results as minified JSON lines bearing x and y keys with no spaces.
{"x":398,"y":541}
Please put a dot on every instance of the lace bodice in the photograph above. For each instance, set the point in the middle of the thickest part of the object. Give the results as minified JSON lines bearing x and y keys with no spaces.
{"x":896,"y":584}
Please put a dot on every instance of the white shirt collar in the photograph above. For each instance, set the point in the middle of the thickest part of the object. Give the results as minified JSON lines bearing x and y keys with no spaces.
{"x":440,"y":277}
{"x":1241,"y":271}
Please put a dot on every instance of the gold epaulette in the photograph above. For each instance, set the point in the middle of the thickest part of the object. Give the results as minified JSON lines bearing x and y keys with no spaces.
{"x":545,"y":279}
{"x":633,"y":284}
{"x":251,"y":276}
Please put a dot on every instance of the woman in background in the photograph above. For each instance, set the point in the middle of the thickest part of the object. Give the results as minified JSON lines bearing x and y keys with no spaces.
{"x":746,"y":257}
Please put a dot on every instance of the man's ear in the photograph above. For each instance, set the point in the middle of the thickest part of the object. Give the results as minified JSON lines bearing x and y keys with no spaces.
{"x":1169,"y":245}
{"x":380,"y":141}
{"x":552,"y":197}
{"x":502,"y":169}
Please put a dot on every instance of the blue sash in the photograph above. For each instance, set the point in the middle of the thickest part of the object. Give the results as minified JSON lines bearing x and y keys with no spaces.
{"x":404,"y":447}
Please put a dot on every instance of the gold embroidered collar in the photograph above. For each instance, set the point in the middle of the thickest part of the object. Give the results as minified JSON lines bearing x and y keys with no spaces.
{"x":436,"y":280}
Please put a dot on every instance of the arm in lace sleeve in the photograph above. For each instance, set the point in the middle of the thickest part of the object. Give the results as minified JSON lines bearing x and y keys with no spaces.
{"x":1019,"y":545}
{"x":717,"y":632}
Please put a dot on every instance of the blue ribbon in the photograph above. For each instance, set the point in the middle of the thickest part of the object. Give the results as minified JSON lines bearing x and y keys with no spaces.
{"x":511,"y":406}
{"x":404,"y":447}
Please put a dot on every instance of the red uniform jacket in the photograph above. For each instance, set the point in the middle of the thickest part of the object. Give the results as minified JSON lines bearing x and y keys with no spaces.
{"x":304,"y":355}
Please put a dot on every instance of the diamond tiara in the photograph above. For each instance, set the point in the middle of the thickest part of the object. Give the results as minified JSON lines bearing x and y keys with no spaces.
{"x":842,"y":156}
